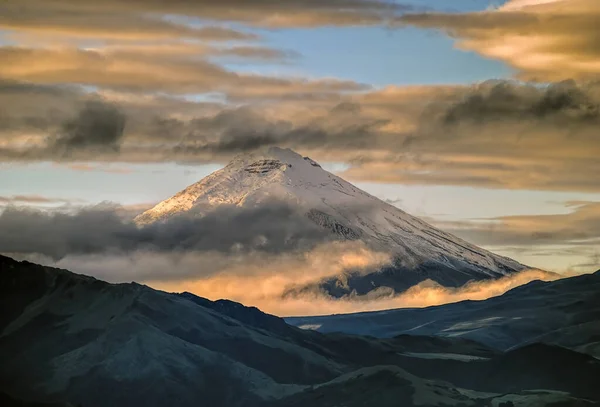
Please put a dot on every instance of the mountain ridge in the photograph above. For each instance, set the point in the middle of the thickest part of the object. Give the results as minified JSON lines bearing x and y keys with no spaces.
{"x":564,"y":312}
{"x":83,"y":341}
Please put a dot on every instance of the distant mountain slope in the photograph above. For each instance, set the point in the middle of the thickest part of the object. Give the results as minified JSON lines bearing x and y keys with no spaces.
{"x":68,"y":338}
{"x":420,"y":251}
{"x":564,"y":312}
{"x":390,"y":386}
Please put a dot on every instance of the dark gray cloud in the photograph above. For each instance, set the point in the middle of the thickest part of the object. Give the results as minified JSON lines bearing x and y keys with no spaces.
{"x":50,"y":111}
{"x":99,"y":126}
{"x":271,"y":228}
{"x":563,"y":102}
{"x":74,"y":127}
{"x":245,"y":130}
{"x":28,"y":107}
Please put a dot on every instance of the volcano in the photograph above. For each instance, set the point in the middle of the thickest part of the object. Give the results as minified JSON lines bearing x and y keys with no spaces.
{"x":419,"y":251}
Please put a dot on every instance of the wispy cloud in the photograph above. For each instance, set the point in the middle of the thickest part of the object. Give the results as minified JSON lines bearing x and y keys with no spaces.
{"x":146,"y":72}
{"x":579,"y":227}
{"x":269,"y":290}
{"x":35,"y":200}
{"x":567,"y":242}
{"x":86,"y":167}
{"x":135,"y":19}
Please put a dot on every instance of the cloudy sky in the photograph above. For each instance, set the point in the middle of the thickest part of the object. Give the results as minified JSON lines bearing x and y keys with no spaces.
{"x":480,"y":116}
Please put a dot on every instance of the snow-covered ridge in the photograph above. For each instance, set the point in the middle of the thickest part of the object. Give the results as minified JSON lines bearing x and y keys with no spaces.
{"x":330,"y":201}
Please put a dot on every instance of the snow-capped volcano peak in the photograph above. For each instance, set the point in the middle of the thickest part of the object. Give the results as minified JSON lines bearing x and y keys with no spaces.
{"x":273,"y":173}
{"x":331,"y":202}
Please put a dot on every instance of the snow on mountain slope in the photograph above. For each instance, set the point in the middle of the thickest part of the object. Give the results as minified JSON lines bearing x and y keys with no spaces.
{"x":330,"y":201}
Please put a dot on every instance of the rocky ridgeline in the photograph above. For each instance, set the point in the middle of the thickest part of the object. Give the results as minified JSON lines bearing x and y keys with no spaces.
{"x":264,"y":166}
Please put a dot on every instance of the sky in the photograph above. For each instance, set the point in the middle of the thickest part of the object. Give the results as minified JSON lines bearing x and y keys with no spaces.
{"x":482,"y":117}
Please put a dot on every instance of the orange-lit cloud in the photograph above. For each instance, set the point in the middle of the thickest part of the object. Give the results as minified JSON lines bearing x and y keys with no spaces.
{"x":274,"y":275}
{"x":147,"y":72}
{"x":544,"y":40}
{"x":496,"y":134}
{"x":266,"y":293}
{"x":138,"y":18}
{"x":265,"y":281}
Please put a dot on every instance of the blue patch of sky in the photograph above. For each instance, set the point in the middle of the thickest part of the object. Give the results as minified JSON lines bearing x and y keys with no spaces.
{"x":461,"y":202}
{"x":376,"y":55}
{"x":4,"y":38}
{"x":455,"y":6}
{"x":121,"y":183}
{"x":210,"y":97}
{"x":381,"y":56}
